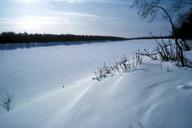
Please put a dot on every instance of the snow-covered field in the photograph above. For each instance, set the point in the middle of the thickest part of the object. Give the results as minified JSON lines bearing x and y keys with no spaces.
{"x":150,"y":97}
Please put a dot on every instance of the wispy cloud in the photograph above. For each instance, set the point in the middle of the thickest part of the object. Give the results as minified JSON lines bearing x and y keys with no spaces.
{"x":31,"y":22}
{"x":97,"y":1}
{"x":75,"y":14}
{"x":78,"y":1}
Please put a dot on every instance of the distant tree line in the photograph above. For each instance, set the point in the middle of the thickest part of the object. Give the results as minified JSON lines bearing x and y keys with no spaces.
{"x":12,"y":37}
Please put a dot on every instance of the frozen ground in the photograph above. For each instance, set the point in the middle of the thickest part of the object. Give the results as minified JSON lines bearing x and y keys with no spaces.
{"x":151,"y":97}
{"x":27,"y":73}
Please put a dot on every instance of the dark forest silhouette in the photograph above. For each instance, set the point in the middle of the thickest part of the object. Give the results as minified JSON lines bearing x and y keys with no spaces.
{"x":11,"y":37}
{"x":184,"y":26}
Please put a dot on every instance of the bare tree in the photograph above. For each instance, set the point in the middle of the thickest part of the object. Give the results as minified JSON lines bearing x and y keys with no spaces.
{"x":7,"y":102}
{"x":174,"y":7}
{"x":151,"y":8}
{"x":144,"y":8}
{"x":178,"y":5}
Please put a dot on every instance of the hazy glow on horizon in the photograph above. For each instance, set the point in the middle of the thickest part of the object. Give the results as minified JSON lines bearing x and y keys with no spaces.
{"x":100,"y":17}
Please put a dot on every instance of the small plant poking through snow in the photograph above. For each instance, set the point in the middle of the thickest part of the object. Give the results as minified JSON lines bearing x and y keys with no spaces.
{"x":166,"y":52}
{"x":122,"y":66}
{"x":7,"y":102}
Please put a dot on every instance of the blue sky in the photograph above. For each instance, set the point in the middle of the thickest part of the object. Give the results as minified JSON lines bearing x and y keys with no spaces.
{"x":92,"y":17}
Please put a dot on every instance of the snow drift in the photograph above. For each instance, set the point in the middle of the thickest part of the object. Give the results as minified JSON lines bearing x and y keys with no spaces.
{"x":157,"y":95}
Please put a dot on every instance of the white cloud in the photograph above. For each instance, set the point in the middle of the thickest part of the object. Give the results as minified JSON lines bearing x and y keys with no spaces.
{"x":74,"y":14}
{"x":67,"y":1}
{"x":30,"y":2}
{"x":78,"y":1}
{"x":98,"y":1}
{"x":32,"y":23}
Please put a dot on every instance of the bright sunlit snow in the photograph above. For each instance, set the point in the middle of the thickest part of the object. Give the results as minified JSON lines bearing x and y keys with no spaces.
{"x":52,"y":88}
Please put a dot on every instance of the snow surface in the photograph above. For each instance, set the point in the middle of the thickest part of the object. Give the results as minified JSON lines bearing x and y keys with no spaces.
{"x":157,"y":95}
